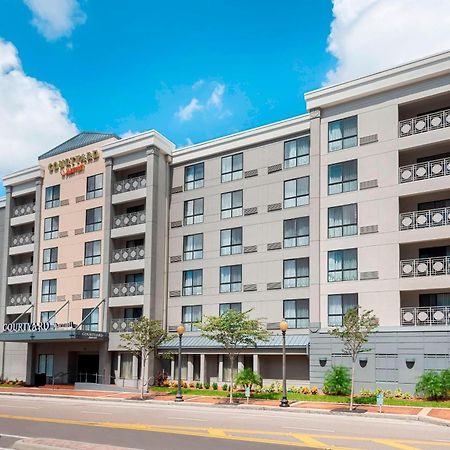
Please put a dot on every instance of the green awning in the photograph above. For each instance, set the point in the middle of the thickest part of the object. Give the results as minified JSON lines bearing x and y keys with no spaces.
{"x":53,"y":335}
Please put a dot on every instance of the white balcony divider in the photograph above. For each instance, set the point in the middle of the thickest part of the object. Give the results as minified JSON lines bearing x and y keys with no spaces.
{"x":23,"y":210}
{"x":128,"y":254}
{"x":423,"y":171}
{"x":129,"y":219}
{"x":424,"y":219}
{"x":21,"y":269}
{"x":22,"y":239}
{"x":127,"y":289}
{"x":424,"y":267}
{"x":425,"y":315}
{"x":121,"y":325}
{"x":130,"y":184}
{"x":422,"y":124}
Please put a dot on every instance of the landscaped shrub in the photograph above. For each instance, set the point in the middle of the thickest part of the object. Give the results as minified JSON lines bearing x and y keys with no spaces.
{"x":368,"y":400}
{"x":247,"y":378}
{"x":432,"y":385}
{"x":445,"y":377}
{"x":305,"y":390}
{"x":206,"y":385}
{"x":225,"y":387}
{"x":215,"y":386}
{"x":314,"y":390}
{"x":160,"y":378}
{"x":337,"y":381}
{"x":198,"y":385}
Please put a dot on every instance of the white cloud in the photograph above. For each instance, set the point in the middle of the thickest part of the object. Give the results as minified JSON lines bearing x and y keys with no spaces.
{"x":186,"y":113}
{"x":56,"y":18}
{"x":33,"y":114}
{"x":371,"y":35}
{"x":129,"y":133}
{"x":216,"y":96}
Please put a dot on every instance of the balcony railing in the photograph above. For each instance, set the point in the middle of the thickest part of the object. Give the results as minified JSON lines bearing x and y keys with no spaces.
{"x":424,"y":219}
{"x":128,"y":254}
{"x":19,"y":299}
{"x":126,"y":220}
{"x":422,"y":124}
{"x":425,"y":267}
{"x":131,"y":184}
{"x":127,"y":289}
{"x":21,"y":269}
{"x":422,"y":171}
{"x":425,"y":315}
{"x":23,"y":210}
{"x":22,"y":239}
{"x":121,"y":325}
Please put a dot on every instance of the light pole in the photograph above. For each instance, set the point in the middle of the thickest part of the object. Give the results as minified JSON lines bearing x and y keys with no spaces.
{"x":180,"y":331}
{"x":283,"y":327}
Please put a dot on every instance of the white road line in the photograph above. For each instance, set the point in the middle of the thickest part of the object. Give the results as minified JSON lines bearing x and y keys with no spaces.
{"x":188,"y":419}
{"x":309,"y":429}
{"x":15,"y":436}
{"x":97,"y":412}
{"x":20,"y":406}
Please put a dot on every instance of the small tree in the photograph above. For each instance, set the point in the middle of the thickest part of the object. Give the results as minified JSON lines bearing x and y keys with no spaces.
{"x":234,"y":330}
{"x":354,"y":333}
{"x":247,"y":378}
{"x":337,"y":381}
{"x":143,"y":341}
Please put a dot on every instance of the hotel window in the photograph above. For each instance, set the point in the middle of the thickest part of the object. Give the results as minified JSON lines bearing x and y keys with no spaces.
{"x":45,"y":365}
{"x":193,"y":211}
{"x":231,"y":241}
{"x":296,"y":313}
{"x":93,"y":219}
{"x":193,"y":247}
{"x":94,"y":186}
{"x":192,"y":282}
{"x":191,"y":315}
{"x":296,"y":192}
{"x":52,"y":197}
{"x":50,"y":259}
{"x":296,"y":272}
{"x":296,"y":152}
{"x":343,"y":177}
{"x":338,"y":305}
{"x":441,"y":299}
{"x":343,"y":220}
{"x":90,"y":320}
{"x":231,"y":204}
{"x":48,"y":316}
{"x":296,"y":232}
{"x":230,"y":278}
{"x":232,"y":167}
{"x":51,"y":228}
{"x":91,"y":286}
{"x":92,"y":252}
{"x":194,"y":176}
{"x":132,"y":313}
{"x":126,"y":366}
{"x":224,"y":307}
{"x":343,"y":134}
{"x":48,"y":291}
{"x":134,"y":278}
{"x":343,"y":265}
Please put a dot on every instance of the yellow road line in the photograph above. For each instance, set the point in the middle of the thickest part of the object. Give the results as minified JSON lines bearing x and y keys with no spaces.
{"x":395,"y":444}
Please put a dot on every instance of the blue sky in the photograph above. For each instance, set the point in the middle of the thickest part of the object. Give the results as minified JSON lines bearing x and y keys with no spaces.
{"x":192,"y":70}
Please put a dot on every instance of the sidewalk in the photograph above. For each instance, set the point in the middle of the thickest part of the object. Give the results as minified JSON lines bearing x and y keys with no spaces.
{"x":436,"y":415}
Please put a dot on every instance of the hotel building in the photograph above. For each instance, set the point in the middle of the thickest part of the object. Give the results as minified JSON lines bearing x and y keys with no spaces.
{"x":300,"y":219}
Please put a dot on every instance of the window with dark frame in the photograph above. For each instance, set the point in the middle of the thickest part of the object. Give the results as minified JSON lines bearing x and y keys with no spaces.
{"x":296,"y":272}
{"x":50,"y":259}
{"x":94,"y":186}
{"x":90,"y":320}
{"x":192,"y":282}
{"x":48,"y":293}
{"x":343,"y":177}
{"x":52,"y":194}
{"x":231,"y":204}
{"x":193,"y":247}
{"x":338,"y":305}
{"x":232,"y":167}
{"x":343,"y":134}
{"x":92,"y":252}
{"x":194,"y":176}
{"x":230,"y":278}
{"x":193,"y":211}
{"x":224,"y":307}
{"x":190,"y":315}
{"x":343,"y":220}
{"x":93,"y":219}
{"x":296,"y":232}
{"x":91,"y":286}
{"x":231,"y":241}
{"x":51,"y":228}
{"x":343,"y":265}
{"x":296,"y":152}
{"x":296,"y":313}
{"x":48,"y":316}
{"x":296,"y":192}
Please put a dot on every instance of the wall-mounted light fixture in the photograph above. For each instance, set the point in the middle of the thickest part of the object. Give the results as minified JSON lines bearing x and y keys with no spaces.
{"x":323,"y":361}
{"x":363,"y":361}
{"x":410,"y":363}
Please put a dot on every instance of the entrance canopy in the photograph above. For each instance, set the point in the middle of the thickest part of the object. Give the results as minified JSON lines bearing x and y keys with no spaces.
{"x":53,"y":336}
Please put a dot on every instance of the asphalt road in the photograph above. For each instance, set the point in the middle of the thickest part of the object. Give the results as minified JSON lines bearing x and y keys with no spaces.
{"x":190,"y":427}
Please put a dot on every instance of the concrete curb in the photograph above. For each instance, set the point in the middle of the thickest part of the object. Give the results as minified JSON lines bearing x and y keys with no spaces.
{"x":57,"y":444}
{"x":292,"y":410}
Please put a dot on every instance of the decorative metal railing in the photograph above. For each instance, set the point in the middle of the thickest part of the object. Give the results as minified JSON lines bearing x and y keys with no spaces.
{"x":21,"y":269}
{"x":131,"y":184}
{"x":128,"y":254}
{"x":424,"y":219}
{"x":424,"y":267}
{"x":23,"y":298}
{"x":422,"y":124}
{"x":23,"y":210}
{"x":425,"y":315}
{"x":22,"y":239}
{"x":121,"y":325}
{"x":127,"y":289}
{"x":126,"y":220}
{"x":422,"y":171}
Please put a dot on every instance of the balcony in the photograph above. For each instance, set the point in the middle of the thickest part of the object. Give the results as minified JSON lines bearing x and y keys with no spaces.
{"x":122,"y":325}
{"x":425,"y":267}
{"x":424,"y":219}
{"x":425,"y":315}
{"x":127,"y":289}
{"x":422,"y":124}
{"x":423,"y":171}
{"x":23,"y":210}
{"x":22,"y":239}
{"x":130,"y":184}
{"x":129,"y":219}
{"x":128,"y":254}
{"x":21,"y":299}
{"x":21,"y":269}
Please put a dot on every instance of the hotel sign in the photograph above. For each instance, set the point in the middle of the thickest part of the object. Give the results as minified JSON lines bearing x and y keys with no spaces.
{"x":74,"y":164}
{"x":36,"y":326}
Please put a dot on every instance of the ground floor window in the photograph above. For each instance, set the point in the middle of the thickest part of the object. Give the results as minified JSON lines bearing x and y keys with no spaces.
{"x":126,"y":365}
{"x":45,"y":365}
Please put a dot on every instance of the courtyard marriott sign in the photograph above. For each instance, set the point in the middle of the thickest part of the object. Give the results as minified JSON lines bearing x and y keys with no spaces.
{"x":36,"y":326}
{"x":74,"y":164}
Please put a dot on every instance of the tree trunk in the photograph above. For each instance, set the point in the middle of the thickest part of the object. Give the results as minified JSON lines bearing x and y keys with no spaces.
{"x":143,"y":360}
{"x":353,"y":385}
{"x":232,"y":377}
